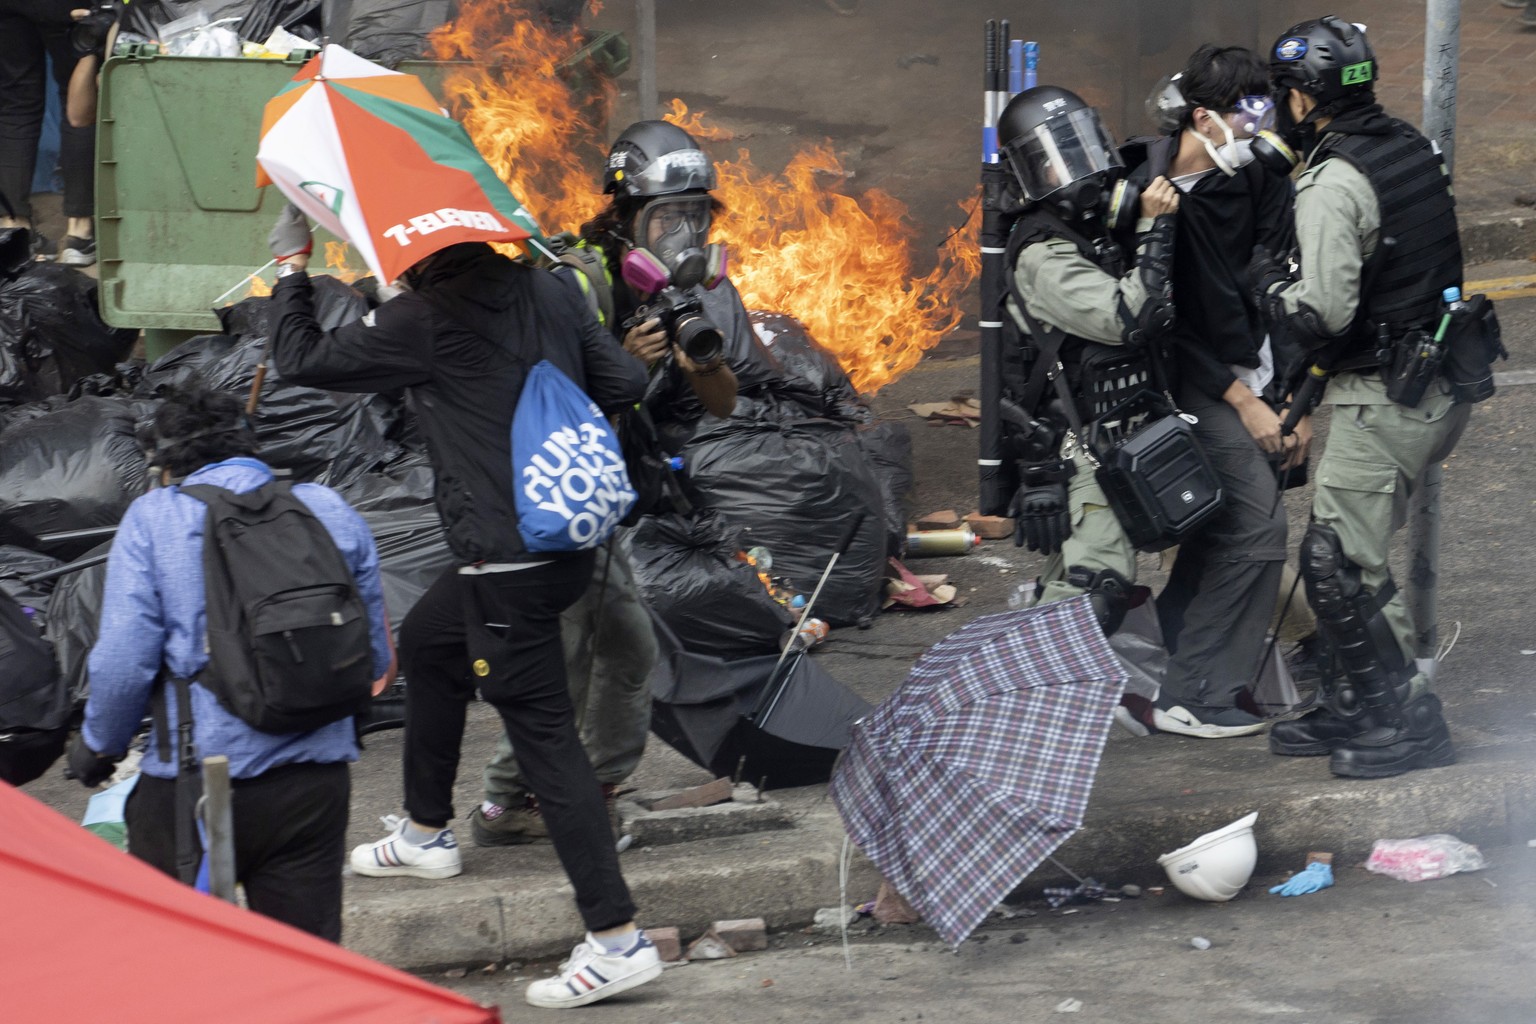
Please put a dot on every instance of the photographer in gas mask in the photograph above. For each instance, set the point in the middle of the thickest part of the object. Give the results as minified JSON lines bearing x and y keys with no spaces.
{"x":1222,"y":589}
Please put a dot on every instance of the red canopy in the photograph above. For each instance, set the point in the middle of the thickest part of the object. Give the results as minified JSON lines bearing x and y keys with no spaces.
{"x":90,"y":933}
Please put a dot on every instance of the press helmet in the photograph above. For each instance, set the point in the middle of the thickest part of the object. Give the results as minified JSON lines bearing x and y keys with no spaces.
{"x":1327,"y":58}
{"x":1053,"y":140}
{"x":654,"y":158}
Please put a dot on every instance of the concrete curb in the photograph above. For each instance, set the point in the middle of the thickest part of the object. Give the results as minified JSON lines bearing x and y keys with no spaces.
{"x":1502,"y":236}
{"x":1151,"y":797}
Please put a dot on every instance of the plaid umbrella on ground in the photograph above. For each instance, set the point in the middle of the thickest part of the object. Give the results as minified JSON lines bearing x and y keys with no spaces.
{"x":980,"y":765}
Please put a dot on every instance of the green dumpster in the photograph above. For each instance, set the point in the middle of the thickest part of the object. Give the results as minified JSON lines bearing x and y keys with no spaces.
{"x":180,"y":221}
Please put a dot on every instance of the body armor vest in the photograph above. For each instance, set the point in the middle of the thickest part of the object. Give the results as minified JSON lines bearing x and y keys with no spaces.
{"x":1100,"y":376}
{"x":1417,"y":211}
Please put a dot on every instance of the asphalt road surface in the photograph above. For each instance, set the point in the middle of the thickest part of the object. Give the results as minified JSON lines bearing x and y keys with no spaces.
{"x":1370,"y":950}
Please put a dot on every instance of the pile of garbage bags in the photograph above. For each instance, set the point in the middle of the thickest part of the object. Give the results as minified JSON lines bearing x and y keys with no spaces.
{"x":802,"y":468}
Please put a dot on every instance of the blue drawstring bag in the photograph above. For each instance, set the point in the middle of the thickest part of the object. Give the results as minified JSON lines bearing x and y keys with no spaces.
{"x":568,"y":476}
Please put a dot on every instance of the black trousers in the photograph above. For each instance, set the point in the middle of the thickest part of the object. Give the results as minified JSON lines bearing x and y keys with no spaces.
{"x":290,"y":839}
{"x":30,"y":32}
{"x":1225,"y":581}
{"x":500,"y":632}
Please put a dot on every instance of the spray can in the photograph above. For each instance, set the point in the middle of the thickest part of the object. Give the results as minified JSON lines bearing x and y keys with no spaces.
{"x":934,"y":543}
{"x":810,"y":633}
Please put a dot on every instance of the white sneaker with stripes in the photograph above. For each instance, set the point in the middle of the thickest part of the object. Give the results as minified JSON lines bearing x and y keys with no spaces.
{"x":592,"y":974}
{"x":392,"y":855}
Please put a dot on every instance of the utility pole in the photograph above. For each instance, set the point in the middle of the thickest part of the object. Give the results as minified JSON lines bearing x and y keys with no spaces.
{"x":645,"y":27}
{"x":1442,"y":43}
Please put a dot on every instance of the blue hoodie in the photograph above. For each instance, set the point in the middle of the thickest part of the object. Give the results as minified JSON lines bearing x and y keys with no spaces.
{"x":153,"y":612}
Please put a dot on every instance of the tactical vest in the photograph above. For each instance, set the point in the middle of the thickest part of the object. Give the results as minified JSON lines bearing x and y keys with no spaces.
{"x":1101,"y":376}
{"x":593,"y":277}
{"x":1413,"y":191}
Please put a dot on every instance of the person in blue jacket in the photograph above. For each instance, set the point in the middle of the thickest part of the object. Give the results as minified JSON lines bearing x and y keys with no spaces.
{"x":291,"y":791}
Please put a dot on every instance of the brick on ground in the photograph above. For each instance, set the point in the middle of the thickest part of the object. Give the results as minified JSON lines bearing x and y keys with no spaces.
{"x":668,"y":942}
{"x":944,"y":519}
{"x":990,"y":527}
{"x":744,"y":935}
{"x":717,"y":792}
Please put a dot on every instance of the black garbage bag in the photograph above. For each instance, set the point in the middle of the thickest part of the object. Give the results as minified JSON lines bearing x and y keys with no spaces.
{"x":810,"y":375}
{"x":887,"y":444}
{"x":184,"y":364}
{"x":74,"y":619}
{"x":386,"y":31}
{"x":34,"y":706}
{"x":301,"y":17}
{"x":405,"y":483}
{"x":413,"y":552}
{"x":16,"y":564}
{"x":76,"y":467}
{"x":51,"y":334}
{"x":796,"y":487}
{"x":689,"y":575}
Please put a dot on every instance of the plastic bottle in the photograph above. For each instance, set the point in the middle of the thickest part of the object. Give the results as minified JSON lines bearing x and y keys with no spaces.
{"x":1452,"y":299}
{"x":1021,"y":596}
{"x":932,"y":543}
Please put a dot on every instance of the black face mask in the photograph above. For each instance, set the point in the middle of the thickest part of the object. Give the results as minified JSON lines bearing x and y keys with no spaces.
{"x":1301,"y":135}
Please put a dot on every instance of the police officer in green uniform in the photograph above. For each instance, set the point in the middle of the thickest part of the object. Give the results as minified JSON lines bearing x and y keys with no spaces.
{"x":1377,"y":245}
{"x":1072,"y":278}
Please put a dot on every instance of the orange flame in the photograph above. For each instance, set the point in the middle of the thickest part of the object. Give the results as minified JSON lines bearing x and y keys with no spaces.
{"x":843,"y":265}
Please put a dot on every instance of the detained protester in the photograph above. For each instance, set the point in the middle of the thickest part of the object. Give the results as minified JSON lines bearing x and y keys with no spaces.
{"x":1221,"y":592}
{"x":1084,"y":310}
{"x":1377,"y":249}
{"x":290,"y":789}
{"x":462,"y":341}
{"x":660,"y":214}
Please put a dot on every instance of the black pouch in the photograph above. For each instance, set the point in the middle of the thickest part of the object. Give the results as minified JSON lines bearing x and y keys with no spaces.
{"x":1473,"y":343}
{"x":1158,"y":481}
{"x":1413,"y":365}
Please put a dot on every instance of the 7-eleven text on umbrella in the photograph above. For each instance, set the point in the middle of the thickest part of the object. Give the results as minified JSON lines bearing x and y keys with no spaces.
{"x":436,"y":220}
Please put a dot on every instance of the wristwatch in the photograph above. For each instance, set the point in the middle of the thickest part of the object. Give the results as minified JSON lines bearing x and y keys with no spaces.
{"x":285,"y":269}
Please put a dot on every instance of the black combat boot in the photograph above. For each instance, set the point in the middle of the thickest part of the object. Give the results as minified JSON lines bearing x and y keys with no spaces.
{"x":1318,"y":732}
{"x":1418,"y":738}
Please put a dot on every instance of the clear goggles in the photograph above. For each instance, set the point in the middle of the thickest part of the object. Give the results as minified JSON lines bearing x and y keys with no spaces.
{"x":1253,"y":114}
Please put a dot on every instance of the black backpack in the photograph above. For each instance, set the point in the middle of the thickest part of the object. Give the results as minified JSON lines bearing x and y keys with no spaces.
{"x":35,"y":707}
{"x":288,"y":640}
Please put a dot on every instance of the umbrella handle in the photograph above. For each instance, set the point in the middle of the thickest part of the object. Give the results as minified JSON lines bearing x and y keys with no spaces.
{"x":257,"y":381}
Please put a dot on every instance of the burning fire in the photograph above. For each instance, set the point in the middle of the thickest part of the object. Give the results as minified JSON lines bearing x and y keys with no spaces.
{"x":844,"y":265}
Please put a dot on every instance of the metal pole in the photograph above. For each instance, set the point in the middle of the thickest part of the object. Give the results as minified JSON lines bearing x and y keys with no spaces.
{"x":645,"y":18}
{"x":219,"y":823}
{"x":1442,"y":43}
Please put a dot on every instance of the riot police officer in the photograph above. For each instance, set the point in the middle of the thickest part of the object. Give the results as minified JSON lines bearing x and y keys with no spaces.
{"x":1377,"y":245}
{"x":1089,"y":319}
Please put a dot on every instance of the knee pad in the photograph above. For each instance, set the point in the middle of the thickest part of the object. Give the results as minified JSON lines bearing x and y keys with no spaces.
{"x":1109,"y":591}
{"x":1350,"y":617}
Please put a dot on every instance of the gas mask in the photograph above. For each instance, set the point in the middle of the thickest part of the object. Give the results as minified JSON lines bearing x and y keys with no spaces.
{"x":1282,"y":149}
{"x":1114,"y":201}
{"x":671,"y":246}
{"x":1255,"y":114}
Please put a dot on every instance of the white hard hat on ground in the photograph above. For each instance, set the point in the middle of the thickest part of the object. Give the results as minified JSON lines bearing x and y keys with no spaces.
{"x":1217,"y":865}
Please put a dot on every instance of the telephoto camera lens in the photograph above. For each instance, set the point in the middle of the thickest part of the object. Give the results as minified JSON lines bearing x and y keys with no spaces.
{"x":700,"y":340}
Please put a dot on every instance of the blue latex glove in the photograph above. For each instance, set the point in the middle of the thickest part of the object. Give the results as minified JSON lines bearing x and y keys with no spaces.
{"x":1316,"y":876}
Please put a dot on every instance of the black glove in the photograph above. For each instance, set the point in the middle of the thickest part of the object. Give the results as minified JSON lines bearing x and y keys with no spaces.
{"x":1042,"y":519}
{"x":1265,"y":272}
{"x":87,"y":766}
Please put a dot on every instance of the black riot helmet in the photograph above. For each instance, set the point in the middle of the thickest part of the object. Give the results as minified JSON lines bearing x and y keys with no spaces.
{"x":1327,"y":58}
{"x":1062,"y":154}
{"x":654,"y":158}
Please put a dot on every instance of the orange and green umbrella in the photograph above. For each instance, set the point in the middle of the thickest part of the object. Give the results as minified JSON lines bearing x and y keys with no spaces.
{"x":369,"y":155}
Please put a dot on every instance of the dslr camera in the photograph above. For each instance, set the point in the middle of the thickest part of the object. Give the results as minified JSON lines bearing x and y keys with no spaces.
{"x":682,"y":317}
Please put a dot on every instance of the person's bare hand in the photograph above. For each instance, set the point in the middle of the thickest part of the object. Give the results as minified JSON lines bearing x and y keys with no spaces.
{"x":646,"y":341}
{"x":1160,"y":198}
{"x":1298,"y":444}
{"x":1263,"y":425}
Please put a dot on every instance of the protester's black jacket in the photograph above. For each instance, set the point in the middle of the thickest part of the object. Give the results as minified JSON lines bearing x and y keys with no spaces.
{"x":462,"y":342}
{"x":1221,"y":219}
